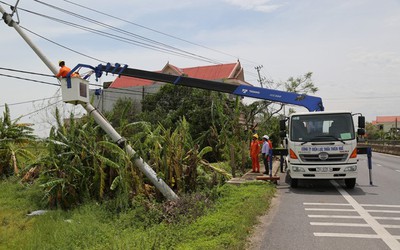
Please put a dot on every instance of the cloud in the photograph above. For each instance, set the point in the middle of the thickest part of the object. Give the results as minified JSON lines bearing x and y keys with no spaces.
{"x":256,"y":5}
{"x":377,"y":58}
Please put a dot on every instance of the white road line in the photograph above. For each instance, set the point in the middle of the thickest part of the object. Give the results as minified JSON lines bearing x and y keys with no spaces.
{"x":391,"y":226}
{"x":334,"y":216}
{"x":379,"y":165}
{"x":330,"y":209}
{"x":368,"y":236}
{"x":386,"y":218}
{"x":346,"y":204}
{"x":379,"y":205}
{"x":383,"y":211}
{"x":338,"y":224}
{"x":398,"y":171}
{"x":381,"y":232}
{"x":327,"y":204}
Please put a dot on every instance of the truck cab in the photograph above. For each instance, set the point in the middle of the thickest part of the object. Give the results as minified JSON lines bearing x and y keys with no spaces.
{"x":322,"y":145}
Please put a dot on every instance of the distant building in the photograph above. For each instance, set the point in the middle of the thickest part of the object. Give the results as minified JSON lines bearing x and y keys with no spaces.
{"x":137,"y":89}
{"x":387,"y":123}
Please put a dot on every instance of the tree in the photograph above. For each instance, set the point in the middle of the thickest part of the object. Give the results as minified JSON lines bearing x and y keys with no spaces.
{"x":14,"y":137}
{"x":265,"y":111}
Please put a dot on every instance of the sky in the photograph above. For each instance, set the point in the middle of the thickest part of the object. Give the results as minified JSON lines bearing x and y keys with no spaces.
{"x":351,"y":46}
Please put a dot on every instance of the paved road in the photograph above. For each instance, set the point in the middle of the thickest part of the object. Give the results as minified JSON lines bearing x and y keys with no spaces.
{"x":325,"y":215}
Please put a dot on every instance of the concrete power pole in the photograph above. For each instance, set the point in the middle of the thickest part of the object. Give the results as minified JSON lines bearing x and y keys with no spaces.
{"x":260,"y":78}
{"x":99,"y":118}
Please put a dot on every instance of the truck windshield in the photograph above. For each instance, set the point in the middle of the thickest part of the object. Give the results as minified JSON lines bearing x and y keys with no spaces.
{"x":322,"y":127}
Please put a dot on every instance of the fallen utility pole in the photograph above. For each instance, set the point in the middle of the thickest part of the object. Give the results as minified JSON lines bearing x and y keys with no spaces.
{"x":99,"y":118}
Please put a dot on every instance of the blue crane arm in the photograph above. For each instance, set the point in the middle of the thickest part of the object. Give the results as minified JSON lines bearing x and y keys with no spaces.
{"x":312,"y":103}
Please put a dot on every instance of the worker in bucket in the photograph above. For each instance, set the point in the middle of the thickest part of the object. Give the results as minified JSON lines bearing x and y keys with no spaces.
{"x":265,"y":152}
{"x":64,"y":70}
{"x":254,"y":154}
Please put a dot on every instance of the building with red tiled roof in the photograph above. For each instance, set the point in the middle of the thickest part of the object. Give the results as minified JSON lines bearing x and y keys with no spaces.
{"x":387,"y":123}
{"x":231,"y":71}
{"x":136,"y":89}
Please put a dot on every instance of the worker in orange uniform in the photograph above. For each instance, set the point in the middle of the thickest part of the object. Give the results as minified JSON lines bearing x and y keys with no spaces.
{"x":254,"y":154}
{"x":64,"y":70}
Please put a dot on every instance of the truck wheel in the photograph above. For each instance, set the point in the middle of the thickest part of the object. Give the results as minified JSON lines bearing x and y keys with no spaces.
{"x":294,"y":183}
{"x":350,"y":183}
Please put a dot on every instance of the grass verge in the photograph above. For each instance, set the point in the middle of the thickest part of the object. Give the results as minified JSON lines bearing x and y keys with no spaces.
{"x":226,"y":225}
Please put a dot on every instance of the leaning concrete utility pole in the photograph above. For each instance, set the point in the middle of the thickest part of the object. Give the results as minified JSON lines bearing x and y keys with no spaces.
{"x":99,"y":118}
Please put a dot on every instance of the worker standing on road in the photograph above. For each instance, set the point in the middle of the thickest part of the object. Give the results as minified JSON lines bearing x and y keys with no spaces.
{"x":254,"y":154}
{"x":265,"y":152}
{"x":64,"y":70}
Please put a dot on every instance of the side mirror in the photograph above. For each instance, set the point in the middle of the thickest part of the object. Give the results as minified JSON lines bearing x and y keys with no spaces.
{"x":282,"y":125}
{"x":361,"y":122}
{"x":361,"y":131}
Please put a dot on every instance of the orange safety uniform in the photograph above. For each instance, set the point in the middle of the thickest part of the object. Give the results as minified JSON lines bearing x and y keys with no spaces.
{"x":63,"y":72}
{"x":254,"y":154}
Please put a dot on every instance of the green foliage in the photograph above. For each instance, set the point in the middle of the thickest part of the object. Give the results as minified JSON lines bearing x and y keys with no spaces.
{"x":14,"y":137}
{"x":79,"y":166}
{"x":221,"y":220}
{"x":174,"y":155}
{"x":301,"y":85}
{"x":172,"y":102}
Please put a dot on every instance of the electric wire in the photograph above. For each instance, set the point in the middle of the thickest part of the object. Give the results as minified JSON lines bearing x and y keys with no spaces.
{"x":27,"y":72}
{"x":124,"y":31}
{"x":31,"y":101}
{"x":118,"y":37}
{"x":62,"y":46}
{"x":27,"y":79}
{"x":36,"y":111}
{"x":156,"y":31}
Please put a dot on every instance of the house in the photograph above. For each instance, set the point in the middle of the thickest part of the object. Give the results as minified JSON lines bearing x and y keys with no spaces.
{"x":387,"y":123}
{"x":137,"y":89}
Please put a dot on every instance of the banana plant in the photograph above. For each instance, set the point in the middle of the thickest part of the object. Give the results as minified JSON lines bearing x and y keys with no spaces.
{"x":14,"y":138}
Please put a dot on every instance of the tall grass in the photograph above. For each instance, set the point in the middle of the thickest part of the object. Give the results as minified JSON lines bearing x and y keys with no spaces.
{"x":225,"y":225}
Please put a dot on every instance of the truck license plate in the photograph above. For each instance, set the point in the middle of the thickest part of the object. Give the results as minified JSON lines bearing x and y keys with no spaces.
{"x":323,"y":169}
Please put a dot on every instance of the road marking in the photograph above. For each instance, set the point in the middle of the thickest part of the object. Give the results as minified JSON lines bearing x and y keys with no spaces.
{"x":367,"y":236}
{"x":334,"y":216}
{"x":338,"y":224}
{"x":398,"y":171}
{"x":348,"y":224}
{"x":381,"y":232}
{"x":391,"y":226}
{"x":330,"y":209}
{"x":327,"y":204}
{"x":378,"y":205}
{"x":387,"y":218}
{"x":379,"y":165}
{"x":347,"y":204}
{"x":383,"y":211}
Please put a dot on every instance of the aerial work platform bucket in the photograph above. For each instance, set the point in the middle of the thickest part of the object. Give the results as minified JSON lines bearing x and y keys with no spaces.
{"x":75,"y":90}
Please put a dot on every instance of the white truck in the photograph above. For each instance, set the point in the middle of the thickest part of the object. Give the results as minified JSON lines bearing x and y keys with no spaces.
{"x":321,"y":145}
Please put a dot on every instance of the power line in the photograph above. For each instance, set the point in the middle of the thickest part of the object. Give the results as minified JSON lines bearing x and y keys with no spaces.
{"x":62,"y":46}
{"x":46,"y":107}
{"x":154,"y":30}
{"x":31,"y":80}
{"x":27,"y":72}
{"x":31,"y":101}
{"x":124,"y":31}
{"x":170,"y":50}
{"x":34,"y":73}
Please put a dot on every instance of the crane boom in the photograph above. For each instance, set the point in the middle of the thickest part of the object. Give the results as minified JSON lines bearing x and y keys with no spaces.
{"x":312,"y":103}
